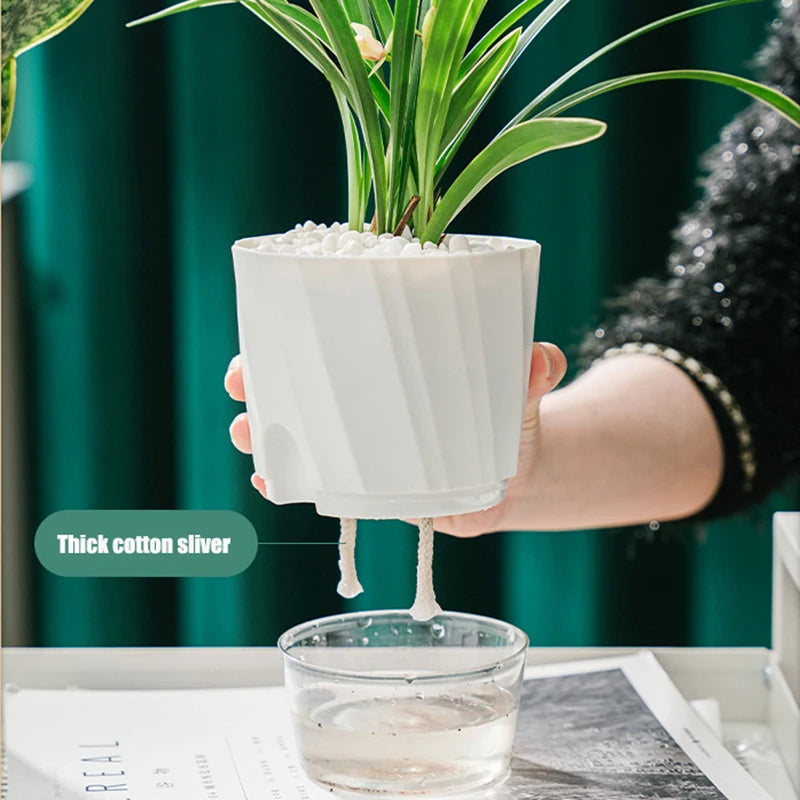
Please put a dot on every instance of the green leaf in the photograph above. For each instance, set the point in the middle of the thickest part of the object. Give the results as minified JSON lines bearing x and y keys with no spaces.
{"x":526,"y":38}
{"x":355,"y":205}
{"x":557,"y":84}
{"x":384,"y":18}
{"x":337,"y":26}
{"x":452,"y":28}
{"x":9,"y":92}
{"x":475,"y":87}
{"x":516,"y":145}
{"x":186,"y":5}
{"x":495,"y":33}
{"x":402,"y":91}
{"x":27,"y":23}
{"x":774,"y":99}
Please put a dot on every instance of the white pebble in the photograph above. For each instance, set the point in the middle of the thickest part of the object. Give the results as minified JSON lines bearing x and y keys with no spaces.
{"x":311,"y":238}
{"x":353,"y":247}
{"x":350,"y":236}
{"x":331,"y":242}
{"x":459,"y":244}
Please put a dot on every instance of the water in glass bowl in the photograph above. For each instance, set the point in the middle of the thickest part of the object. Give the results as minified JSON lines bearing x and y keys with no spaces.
{"x":350,"y":738}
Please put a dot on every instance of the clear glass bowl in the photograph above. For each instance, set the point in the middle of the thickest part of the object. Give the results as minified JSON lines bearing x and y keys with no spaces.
{"x":384,"y":704}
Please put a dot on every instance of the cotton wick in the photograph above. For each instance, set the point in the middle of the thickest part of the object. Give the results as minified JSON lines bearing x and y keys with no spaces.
{"x":349,"y":585}
{"x":425,"y":605}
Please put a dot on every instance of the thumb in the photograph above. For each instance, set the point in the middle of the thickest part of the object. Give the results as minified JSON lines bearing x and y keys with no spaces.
{"x":548,"y":367}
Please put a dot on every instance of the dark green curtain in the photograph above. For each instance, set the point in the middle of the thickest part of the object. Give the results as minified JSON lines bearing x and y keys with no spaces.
{"x":153,"y":149}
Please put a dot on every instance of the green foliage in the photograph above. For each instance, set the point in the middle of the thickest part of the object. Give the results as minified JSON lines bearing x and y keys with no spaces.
{"x":409,"y":94}
{"x":27,"y":23}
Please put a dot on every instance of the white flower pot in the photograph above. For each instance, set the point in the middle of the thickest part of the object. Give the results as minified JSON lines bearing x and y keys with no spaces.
{"x":386,"y":387}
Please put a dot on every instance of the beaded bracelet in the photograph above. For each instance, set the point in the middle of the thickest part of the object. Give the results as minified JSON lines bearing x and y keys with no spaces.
{"x":704,"y":376}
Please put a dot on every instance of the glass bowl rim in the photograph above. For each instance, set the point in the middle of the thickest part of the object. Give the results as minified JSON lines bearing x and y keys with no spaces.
{"x":520,"y":647}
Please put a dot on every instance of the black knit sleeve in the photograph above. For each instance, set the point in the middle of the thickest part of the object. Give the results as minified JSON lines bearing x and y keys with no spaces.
{"x":730,"y":304}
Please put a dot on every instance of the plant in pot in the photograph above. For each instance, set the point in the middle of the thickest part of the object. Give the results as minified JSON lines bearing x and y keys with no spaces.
{"x":386,"y":359}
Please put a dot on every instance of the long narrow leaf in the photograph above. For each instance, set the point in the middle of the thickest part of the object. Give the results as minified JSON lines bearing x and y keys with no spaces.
{"x":489,"y":39}
{"x":452,"y":28}
{"x":557,"y":84}
{"x":384,"y":18}
{"x":519,"y":144}
{"x":774,"y":99}
{"x":186,"y":5}
{"x":400,"y":86}
{"x":355,"y":204}
{"x":337,"y":26}
{"x":474,"y":88}
{"x":544,"y":18}
{"x":353,"y":10}
{"x":381,"y":94}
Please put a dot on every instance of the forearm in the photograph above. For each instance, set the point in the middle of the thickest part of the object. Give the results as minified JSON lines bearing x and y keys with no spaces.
{"x":630,"y":441}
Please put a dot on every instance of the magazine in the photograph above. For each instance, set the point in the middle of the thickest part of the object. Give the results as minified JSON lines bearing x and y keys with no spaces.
{"x":607,"y":729}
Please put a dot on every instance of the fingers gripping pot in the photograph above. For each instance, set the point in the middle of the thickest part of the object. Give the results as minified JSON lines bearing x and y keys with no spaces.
{"x":386,"y":386}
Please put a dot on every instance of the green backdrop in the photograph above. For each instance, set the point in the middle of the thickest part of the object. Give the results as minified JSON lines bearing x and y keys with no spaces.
{"x":153,"y":149}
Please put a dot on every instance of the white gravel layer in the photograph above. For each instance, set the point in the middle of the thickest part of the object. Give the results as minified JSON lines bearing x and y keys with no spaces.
{"x":337,"y":239}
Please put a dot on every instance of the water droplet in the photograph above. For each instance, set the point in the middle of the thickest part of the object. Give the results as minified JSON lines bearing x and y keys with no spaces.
{"x":757,"y":132}
{"x":365,"y":622}
{"x":437,"y":630}
{"x":719,"y":287}
{"x":707,"y":233}
{"x":315,"y":639}
{"x":364,"y":640}
{"x":654,"y":525}
{"x":742,"y":148}
{"x":599,"y":333}
{"x":419,"y":696}
{"x":393,"y":630}
{"x":697,"y":321}
{"x":727,"y":156}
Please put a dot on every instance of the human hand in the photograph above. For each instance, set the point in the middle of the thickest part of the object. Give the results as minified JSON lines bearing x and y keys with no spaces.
{"x":548,"y":366}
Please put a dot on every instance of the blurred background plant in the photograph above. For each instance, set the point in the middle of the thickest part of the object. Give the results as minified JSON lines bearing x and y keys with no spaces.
{"x":26,"y":23}
{"x":151,"y":151}
{"x":408,"y":105}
